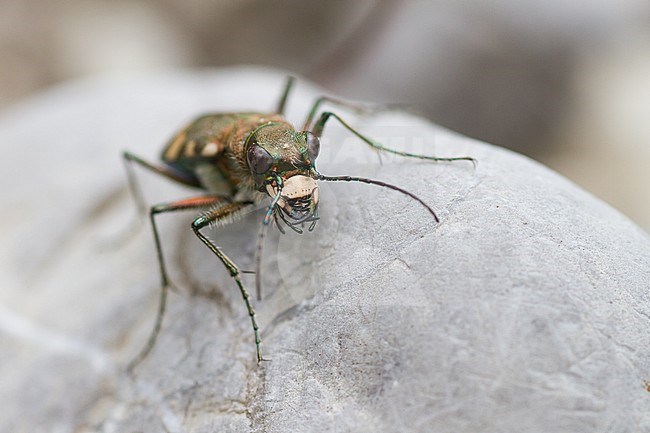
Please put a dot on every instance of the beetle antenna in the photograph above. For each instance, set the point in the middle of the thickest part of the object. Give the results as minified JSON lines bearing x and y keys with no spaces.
{"x":378,"y":183}
{"x":261,"y":235}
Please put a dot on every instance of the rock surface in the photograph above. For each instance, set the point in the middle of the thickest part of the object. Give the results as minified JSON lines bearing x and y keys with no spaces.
{"x":525,"y":309}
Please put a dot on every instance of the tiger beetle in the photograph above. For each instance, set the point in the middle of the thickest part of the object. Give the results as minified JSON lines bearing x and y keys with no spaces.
{"x":239,"y":159}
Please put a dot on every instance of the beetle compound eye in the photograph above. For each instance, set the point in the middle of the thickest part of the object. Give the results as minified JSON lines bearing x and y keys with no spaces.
{"x":313,"y":146}
{"x":259,"y":160}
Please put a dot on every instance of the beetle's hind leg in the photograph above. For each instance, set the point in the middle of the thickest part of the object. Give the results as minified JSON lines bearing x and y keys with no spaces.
{"x":160,"y":169}
{"x":218,"y":216}
{"x":319,"y":126}
{"x":163,"y":170}
{"x":200,"y":202}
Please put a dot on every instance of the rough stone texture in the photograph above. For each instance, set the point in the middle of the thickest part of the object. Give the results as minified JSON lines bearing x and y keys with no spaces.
{"x":525,"y":310}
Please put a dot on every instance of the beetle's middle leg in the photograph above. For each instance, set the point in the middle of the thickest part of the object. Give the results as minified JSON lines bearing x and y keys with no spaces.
{"x":358,"y":108}
{"x":199,"y":202}
{"x":218,"y":216}
{"x":325,"y":116}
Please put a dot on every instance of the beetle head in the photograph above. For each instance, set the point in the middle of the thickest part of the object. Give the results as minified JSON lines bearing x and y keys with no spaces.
{"x":281,"y":158}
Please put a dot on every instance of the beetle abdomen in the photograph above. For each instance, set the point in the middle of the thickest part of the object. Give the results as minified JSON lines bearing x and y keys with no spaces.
{"x":203,"y":139}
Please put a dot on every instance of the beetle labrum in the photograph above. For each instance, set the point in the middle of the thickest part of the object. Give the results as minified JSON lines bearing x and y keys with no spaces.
{"x":239,"y":159}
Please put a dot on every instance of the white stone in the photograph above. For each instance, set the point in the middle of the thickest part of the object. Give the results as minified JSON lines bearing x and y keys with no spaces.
{"x":526,"y":309}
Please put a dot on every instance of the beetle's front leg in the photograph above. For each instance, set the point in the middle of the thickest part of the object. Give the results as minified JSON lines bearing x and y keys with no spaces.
{"x":186,"y":204}
{"x":218,"y":216}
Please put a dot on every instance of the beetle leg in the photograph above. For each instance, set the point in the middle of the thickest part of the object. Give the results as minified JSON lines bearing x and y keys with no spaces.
{"x":355,"y":107}
{"x":186,"y":204}
{"x":285,"y":94}
{"x":162,"y":169}
{"x":325,"y":116}
{"x":218,"y":216}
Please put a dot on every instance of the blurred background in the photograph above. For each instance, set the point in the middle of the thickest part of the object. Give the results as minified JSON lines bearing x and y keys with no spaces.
{"x":564,"y":82}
